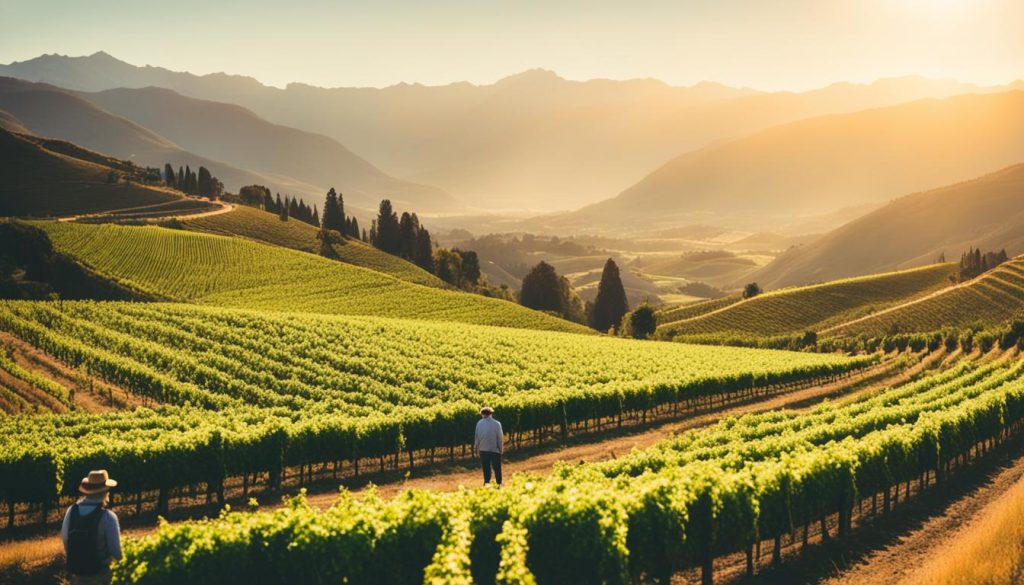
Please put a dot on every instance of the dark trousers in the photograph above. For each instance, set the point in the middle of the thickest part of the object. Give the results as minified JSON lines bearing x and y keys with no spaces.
{"x":491,"y":460}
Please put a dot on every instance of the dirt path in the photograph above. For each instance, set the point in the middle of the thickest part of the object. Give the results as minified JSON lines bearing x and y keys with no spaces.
{"x":929,"y":537}
{"x":221,"y":207}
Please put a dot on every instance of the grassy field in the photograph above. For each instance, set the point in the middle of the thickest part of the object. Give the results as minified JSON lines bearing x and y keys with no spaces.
{"x":992,"y":298}
{"x":814,"y":307}
{"x":217,"y":270}
{"x":991,"y":552}
{"x":258,"y":225}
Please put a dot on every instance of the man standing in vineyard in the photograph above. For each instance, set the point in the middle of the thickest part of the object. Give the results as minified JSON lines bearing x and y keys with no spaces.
{"x":489,"y":442}
{"x":91,"y":533}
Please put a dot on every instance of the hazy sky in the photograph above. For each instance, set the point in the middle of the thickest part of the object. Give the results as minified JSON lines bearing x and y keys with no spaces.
{"x":768,"y":44}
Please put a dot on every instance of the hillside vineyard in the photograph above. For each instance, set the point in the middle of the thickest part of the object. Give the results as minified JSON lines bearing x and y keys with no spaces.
{"x":249,"y":392}
{"x":678,"y":504}
{"x":217,"y":270}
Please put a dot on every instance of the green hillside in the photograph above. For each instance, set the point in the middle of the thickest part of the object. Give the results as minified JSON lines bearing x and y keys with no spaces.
{"x":45,"y":178}
{"x":691,"y":310}
{"x":261,"y":226}
{"x":992,"y":298}
{"x":815,"y":307}
{"x":217,"y":270}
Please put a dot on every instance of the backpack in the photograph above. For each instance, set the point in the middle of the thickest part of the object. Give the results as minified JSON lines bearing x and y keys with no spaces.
{"x":83,"y":542}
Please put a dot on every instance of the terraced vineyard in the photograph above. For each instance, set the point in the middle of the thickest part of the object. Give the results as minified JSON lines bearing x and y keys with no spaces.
{"x":680,"y":504}
{"x":691,"y":310}
{"x":994,"y":297}
{"x":261,"y":226}
{"x":252,"y":392}
{"x":814,"y":307}
{"x":215,"y":270}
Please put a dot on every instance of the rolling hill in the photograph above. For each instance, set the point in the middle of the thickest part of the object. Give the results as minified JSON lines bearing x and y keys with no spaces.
{"x":813,"y":308}
{"x":529,"y":141}
{"x":254,"y":224}
{"x":986,"y":212}
{"x":822,"y":164}
{"x":237,"y":136}
{"x":51,"y":178}
{"x":992,"y":298}
{"x":233,"y":272}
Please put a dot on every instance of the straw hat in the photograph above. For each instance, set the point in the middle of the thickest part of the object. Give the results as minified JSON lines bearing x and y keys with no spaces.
{"x":97,"y":482}
{"x":487,"y":410}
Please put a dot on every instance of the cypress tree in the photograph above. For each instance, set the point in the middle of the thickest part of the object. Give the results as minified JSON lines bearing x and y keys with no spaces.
{"x":169,"y":177}
{"x":355,"y":228}
{"x":204,"y":185}
{"x":334,"y":217}
{"x":180,"y":183}
{"x":408,"y":229}
{"x":282,"y":214}
{"x":610,"y":304}
{"x":316,"y":217}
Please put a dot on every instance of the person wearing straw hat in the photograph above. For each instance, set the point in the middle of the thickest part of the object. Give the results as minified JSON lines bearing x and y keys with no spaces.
{"x":490,"y":440}
{"x":91,"y":533}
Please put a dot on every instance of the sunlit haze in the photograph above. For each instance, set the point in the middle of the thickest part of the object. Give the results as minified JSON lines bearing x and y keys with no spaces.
{"x":767,"y":44}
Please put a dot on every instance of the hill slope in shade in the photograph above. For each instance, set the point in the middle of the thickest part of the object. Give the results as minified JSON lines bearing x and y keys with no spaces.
{"x":987,"y":212}
{"x":819,"y":165}
{"x":54,"y":113}
{"x":46,"y":178}
{"x":232,"y":272}
{"x":812,"y":308}
{"x":254,"y":224}
{"x":239,"y":137}
{"x":990,"y":299}
{"x":529,"y":141}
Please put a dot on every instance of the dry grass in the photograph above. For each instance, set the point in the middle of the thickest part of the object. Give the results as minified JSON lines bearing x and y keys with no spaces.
{"x":990,"y":552}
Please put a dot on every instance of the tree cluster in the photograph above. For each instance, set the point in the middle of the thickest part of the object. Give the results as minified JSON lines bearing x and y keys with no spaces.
{"x":406,"y":238}
{"x":201,"y":183}
{"x":974,"y":263}
{"x":287,"y":208}
{"x":544,"y":290}
{"x":335,"y":219}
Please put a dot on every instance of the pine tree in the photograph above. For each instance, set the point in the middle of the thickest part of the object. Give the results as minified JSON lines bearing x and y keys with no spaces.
{"x":283,"y":213}
{"x":611,"y":303}
{"x":334,"y":217}
{"x":388,"y":229}
{"x":355,"y":228}
{"x":180,"y":183}
{"x":366,"y":237}
{"x":316,"y":217}
{"x":372,"y":239}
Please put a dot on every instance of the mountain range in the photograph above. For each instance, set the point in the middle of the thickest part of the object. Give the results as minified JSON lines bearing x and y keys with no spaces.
{"x":529,"y":141}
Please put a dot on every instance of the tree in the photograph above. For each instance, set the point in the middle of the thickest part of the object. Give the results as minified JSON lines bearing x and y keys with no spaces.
{"x":611,"y":303}
{"x":470,"y":266}
{"x":424,"y":250}
{"x":334,"y":213}
{"x":204,"y":184}
{"x":283,"y":213}
{"x":169,"y":176}
{"x":408,"y":228}
{"x":642,"y":322}
{"x":542,"y":289}
{"x":316,"y":217}
{"x":180,"y":183}
{"x":354,"y":230}
{"x":447,"y":266}
{"x":751,"y":290}
{"x":388,"y":229}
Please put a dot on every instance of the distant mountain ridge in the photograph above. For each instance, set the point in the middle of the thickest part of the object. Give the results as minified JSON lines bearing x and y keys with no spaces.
{"x":237,"y":146}
{"x":529,"y":141}
{"x":819,"y":165}
{"x":986,"y":212}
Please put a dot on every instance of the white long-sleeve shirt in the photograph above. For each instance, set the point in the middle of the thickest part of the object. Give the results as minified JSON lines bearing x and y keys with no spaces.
{"x":489,"y":436}
{"x":109,"y":538}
